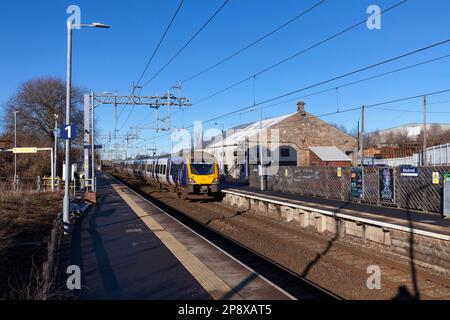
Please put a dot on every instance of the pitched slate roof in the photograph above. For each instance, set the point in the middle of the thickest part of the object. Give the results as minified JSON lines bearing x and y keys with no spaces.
{"x":247,"y":131}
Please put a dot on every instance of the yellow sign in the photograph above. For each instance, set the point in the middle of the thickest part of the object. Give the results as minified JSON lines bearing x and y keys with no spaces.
{"x":436,"y":177}
{"x":339,"y":172}
{"x":25,"y":150}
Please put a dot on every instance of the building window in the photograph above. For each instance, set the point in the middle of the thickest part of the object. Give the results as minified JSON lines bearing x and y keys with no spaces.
{"x":285,"y":152}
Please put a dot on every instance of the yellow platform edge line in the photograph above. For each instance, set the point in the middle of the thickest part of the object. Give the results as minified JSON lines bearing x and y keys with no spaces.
{"x":212,"y":284}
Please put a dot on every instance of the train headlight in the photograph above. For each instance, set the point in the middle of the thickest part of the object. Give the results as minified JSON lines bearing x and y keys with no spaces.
{"x":191,"y":181}
{"x":215,"y":181}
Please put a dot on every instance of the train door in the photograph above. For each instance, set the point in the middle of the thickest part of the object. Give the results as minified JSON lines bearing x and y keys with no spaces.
{"x":158,"y":169}
{"x":168,"y":172}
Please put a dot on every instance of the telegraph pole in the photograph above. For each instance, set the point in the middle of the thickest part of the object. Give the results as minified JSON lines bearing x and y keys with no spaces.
{"x":359,"y":134}
{"x":362,"y":149}
{"x":261,"y":150}
{"x":361,"y":138}
{"x":425,"y":131}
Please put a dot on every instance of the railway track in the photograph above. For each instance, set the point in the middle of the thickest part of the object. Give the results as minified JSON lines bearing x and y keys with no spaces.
{"x":337,"y":265}
{"x":297,"y":286}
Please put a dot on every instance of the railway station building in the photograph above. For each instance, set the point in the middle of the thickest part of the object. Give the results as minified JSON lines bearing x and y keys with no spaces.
{"x":297,"y":133}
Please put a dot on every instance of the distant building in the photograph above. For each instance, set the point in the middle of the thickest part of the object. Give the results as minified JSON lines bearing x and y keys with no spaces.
{"x":388,"y":152}
{"x":5,"y":144}
{"x":412,"y":131}
{"x":298,"y":132}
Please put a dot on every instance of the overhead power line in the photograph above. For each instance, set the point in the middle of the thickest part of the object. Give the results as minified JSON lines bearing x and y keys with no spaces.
{"x":187,"y":43}
{"x":412,"y":111}
{"x":298,"y":16}
{"x":239,"y":111}
{"x":153,"y":55}
{"x":177,"y":54}
{"x":343,"y":110}
{"x":359,"y":23}
{"x":161,"y":40}
{"x":341,"y":76}
{"x":352,"y":83}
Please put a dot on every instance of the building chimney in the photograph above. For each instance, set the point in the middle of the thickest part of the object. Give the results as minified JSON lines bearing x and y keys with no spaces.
{"x":301,"y":107}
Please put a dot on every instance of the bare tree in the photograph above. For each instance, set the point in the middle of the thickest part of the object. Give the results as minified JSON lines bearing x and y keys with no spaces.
{"x":374,"y":139}
{"x":401,"y":137}
{"x":435,"y":135}
{"x":37,"y":101}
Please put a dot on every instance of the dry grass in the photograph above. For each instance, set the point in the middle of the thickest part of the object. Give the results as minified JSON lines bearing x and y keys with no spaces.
{"x":26,"y":219}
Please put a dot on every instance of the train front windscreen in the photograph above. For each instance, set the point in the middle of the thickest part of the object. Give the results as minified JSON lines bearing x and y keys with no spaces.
{"x":202,"y":168}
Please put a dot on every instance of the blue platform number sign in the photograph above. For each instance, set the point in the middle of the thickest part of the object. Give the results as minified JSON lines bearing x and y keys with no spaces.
{"x":68,"y":132}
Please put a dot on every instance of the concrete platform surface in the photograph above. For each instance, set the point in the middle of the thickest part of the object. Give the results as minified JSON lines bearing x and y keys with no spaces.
{"x":127,"y":248}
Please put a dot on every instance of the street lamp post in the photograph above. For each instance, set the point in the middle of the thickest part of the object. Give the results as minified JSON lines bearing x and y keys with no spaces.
{"x":56,"y":143}
{"x":93,"y":184}
{"x":15,"y":146}
{"x":70,"y":27}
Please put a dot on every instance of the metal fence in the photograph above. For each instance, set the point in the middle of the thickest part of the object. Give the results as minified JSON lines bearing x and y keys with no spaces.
{"x":439,"y":155}
{"x":20,"y":184}
{"x":436,"y":156}
{"x":37,"y":184}
{"x":412,"y":192}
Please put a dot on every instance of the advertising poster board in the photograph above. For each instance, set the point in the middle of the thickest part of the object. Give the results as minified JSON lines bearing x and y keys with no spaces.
{"x":386,"y":189}
{"x":357,"y":190}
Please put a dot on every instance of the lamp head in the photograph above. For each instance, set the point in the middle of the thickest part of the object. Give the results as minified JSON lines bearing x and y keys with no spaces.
{"x":100,"y":25}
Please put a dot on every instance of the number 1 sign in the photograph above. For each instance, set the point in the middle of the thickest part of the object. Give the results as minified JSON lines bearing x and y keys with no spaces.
{"x":68,"y":132}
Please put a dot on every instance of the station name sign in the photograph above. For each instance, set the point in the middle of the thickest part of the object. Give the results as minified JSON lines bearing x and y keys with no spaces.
{"x":409,"y":171}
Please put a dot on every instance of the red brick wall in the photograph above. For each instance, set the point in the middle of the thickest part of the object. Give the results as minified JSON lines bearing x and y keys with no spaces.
{"x":304,"y":131}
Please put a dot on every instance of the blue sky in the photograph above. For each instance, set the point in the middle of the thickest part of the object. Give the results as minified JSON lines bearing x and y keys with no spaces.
{"x":33,"y":38}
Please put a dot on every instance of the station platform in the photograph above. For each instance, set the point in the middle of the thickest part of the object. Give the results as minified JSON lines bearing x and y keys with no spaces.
{"x":426,"y":224}
{"x":127,"y":248}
